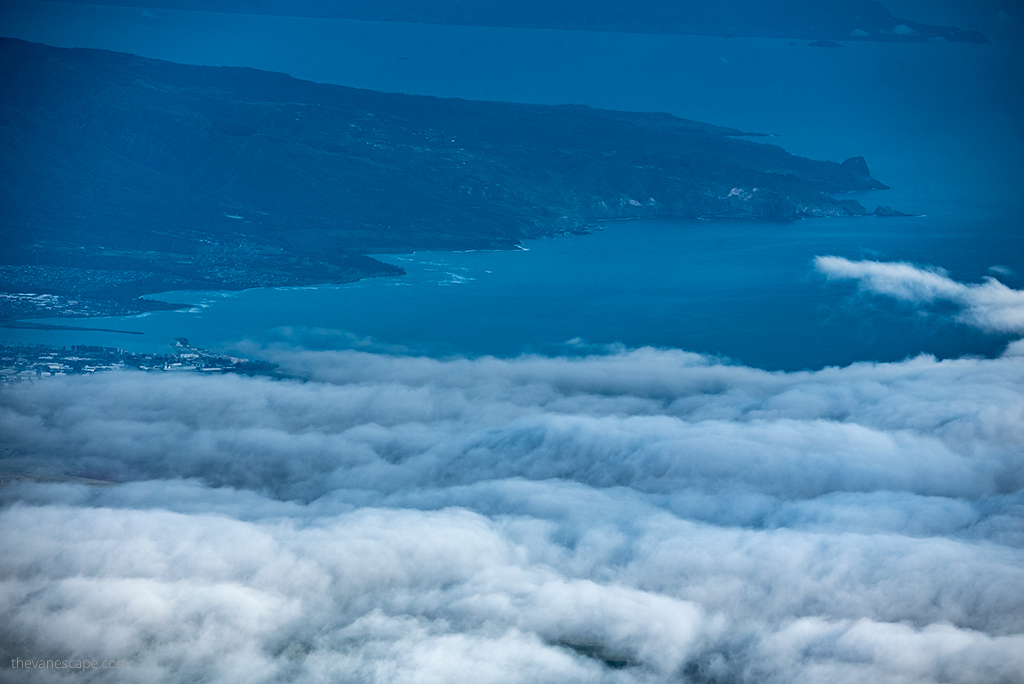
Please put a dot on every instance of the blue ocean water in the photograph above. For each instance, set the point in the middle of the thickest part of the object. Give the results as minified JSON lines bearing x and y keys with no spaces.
{"x":942,"y":124}
{"x":742,"y":289}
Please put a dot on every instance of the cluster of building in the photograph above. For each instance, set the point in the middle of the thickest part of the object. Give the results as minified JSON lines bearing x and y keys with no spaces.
{"x":28,"y":362}
{"x":15,"y":305}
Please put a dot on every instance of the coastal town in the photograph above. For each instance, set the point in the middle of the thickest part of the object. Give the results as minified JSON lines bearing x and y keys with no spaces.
{"x":26,"y":363}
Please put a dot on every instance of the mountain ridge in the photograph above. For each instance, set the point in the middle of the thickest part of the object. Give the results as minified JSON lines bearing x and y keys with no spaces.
{"x":806,"y":19}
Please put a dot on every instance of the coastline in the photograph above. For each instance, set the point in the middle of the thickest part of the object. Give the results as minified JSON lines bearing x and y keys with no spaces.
{"x":145,"y":301}
{"x":47,"y":326}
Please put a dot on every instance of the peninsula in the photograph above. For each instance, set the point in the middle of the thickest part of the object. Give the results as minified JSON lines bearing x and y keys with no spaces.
{"x":124,"y":176}
{"x":810,"y":19}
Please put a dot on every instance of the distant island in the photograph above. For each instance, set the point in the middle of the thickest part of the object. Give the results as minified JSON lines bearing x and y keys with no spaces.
{"x":809,"y":19}
{"x":126,"y":176}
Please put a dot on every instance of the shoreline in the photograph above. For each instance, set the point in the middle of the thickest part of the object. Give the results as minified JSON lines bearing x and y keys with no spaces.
{"x":25,"y":322}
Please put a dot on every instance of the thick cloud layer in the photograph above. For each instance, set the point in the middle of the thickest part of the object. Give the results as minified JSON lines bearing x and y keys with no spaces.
{"x":642,"y":516}
{"x":639,"y":516}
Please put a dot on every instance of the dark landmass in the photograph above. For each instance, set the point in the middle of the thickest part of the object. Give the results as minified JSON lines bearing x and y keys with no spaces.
{"x":19,"y":304}
{"x":883,"y":210}
{"x":825,"y":44}
{"x":809,"y":19}
{"x":125,"y":176}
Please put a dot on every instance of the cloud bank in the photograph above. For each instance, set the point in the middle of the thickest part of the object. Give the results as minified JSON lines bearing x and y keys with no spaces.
{"x":642,"y":516}
{"x":990,"y":306}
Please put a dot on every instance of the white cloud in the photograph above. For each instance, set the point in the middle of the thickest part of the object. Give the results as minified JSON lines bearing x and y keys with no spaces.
{"x":401,"y":519}
{"x":989,"y":305}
